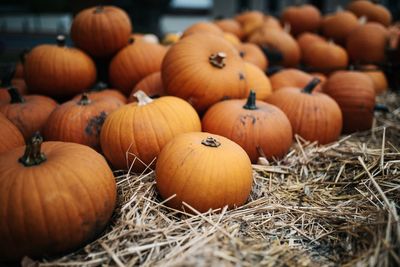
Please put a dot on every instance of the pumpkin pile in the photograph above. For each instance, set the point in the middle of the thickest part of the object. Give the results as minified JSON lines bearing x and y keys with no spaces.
{"x":198,"y":108}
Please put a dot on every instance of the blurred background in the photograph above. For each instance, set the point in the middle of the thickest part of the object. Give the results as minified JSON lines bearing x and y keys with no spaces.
{"x":25,"y":23}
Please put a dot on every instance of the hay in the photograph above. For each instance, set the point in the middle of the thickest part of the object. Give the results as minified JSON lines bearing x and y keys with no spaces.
{"x":319,"y":206}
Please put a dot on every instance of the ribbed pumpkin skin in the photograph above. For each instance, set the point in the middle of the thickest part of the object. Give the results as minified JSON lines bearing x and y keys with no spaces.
{"x":31,"y":115}
{"x":339,"y":25}
{"x":188,"y":74}
{"x":151,"y":84}
{"x":101,"y":31}
{"x":326,"y":56}
{"x":266,"y":127}
{"x":354,"y":92}
{"x":77,"y":123}
{"x":366,"y":44}
{"x":315,"y":117}
{"x":253,"y":54}
{"x":291,"y":78}
{"x":58,"y":71}
{"x":133,"y":63}
{"x":144,"y":130}
{"x":257,"y":81}
{"x":54,"y":207}
{"x":10,"y":136}
{"x":302,"y":18}
{"x":204,"y":177}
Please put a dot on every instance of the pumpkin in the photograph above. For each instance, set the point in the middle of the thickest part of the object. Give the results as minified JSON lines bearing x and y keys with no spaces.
{"x":378,"y":78}
{"x":203,"y":69}
{"x":102,"y":30}
{"x":366,"y":44}
{"x":141,"y":129}
{"x":231,"y":26}
{"x":101,"y":91}
{"x":291,"y":78}
{"x":303,"y":18}
{"x":133,"y":63}
{"x":202,"y":27}
{"x":58,"y":70}
{"x":278,"y":40}
{"x":231,"y":38}
{"x":152,"y":86}
{"x":29,"y":113}
{"x":205,"y":171}
{"x":64,"y":192}
{"x":308,"y":39}
{"x":250,"y":21}
{"x":373,"y":12}
{"x":253,"y":54}
{"x":10,"y":136}
{"x":254,"y":125}
{"x":257,"y":81}
{"x":355,"y":94}
{"x":314,"y":116}
{"x":80,"y":121}
{"x":339,"y":25}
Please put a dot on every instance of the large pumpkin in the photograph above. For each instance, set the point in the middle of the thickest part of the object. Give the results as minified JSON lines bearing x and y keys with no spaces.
{"x":133,"y":63}
{"x":304,"y":18}
{"x":141,"y":129}
{"x":314,"y":116}
{"x":54,"y":198}
{"x":10,"y":136}
{"x":29,"y":113}
{"x":254,"y":125}
{"x":102,"y":30}
{"x":355,"y":94}
{"x":80,"y":121}
{"x":205,"y":171}
{"x":58,"y":70}
{"x":203,"y":69}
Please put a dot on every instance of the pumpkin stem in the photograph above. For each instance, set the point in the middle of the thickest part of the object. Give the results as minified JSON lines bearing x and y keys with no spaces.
{"x":242,"y":53}
{"x":16,"y":97}
{"x":85,"y":100}
{"x":211,"y":142}
{"x":251,"y":101}
{"x":142,"y":98}
{"x":60,"y":40}
{"x":362,"y":20}
{"x":218,"y":59}
{"x":311,"y":85}
{"x":98,"y":9}
{"x":33,"y":154}
{"x":287,"y":27}
{"x":131,"y":40}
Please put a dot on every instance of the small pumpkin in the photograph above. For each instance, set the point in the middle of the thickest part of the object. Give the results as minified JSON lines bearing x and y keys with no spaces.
{"x":339,"y":25}
{"x":257,"y":81}
{"x":231,"y":38}
{"x":250,"y":21}
{"x":29,"y":113}
{"x":254,"y":125}
{"x":302,"y":18}
{"x":202,"y":27}
{"x":204,"y":170}
{"x":64,"y":192}
{"x":141,"y":129}
{"x":10,"y":136}
{"x":102,"y":91}
{"x":133,"y":63}
{"x":355,"y":94}
{"x":373,"y":12}
{"x":314,"y":116}
{"x":307,"y":39}
{"x":80,"y":121}
{"x":253,"y":54}
{"x":231,"y":26}
{"x":203,"y":69}
{"x":102,"y":30}
{"x":151,"y":85}
{"x":292,"y":78}
{"x":58,"y":71}
{"x":378,"y":78}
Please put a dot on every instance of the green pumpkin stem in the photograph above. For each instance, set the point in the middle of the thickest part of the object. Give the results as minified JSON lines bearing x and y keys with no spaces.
{"x":211,"y":142}
{"x":16,"y":97}
{"x":218,"y":59}
{"x":85,"y":100}
{"x":251,"y":101}
{"x":60,"y":40}
{"x":33,"y":154}
{"x":311,"y":85}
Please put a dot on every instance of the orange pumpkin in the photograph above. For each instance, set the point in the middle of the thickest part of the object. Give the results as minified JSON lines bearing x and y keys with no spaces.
{"x":253,"y":125}
{"x":314,"y":116}
{"x":373,"y":12}
{"x":152,"y":86}
{"x":203,"y":69}
{"x":64,"y":192}
{"x":339,"y":25}
{"x":205,"y":171}
{"x":231,"y":26}
{"x":291,"y":78}
{"x":355,"y":94}
{"x":253,"y":54}
{"x":28,"y":113}
{"x":133,"y":63}
{"x":101,"y":92}
{"x":257,"y":81}
{"x":141,"y":129}
{"x":102,"y":30}
{"x":231,"y":38}
{"x":250,"y":21}
{"x":307,"y":39}
{"x":304,"y":18}
{"x":378,"y":78}
{"x":203,"y":27}
{"x":10,"y":136}
{"x":58,"y":71}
